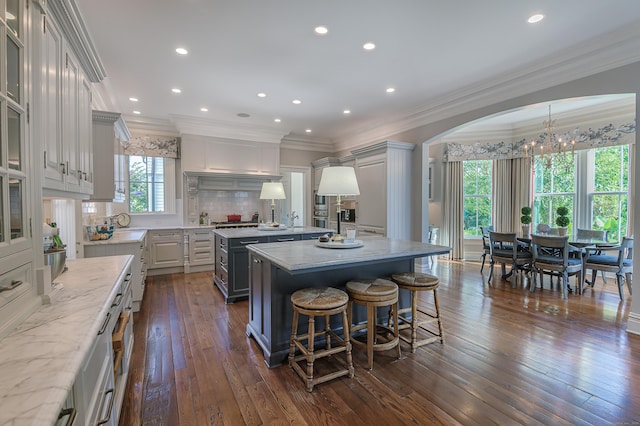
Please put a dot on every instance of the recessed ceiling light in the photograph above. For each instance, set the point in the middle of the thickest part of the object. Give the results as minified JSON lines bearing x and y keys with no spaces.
{"x":277,"y":120}
{"x":136,"y":112}
{"x":368,"y":46}
{"x":176,"y":90}
{"x":308,"y":130}
{"x":297,"y":101}
{"x":346,"y":111}
{"x":133,"y":99}
{"x":182,"y":50}
{"x":321,"y":30}
{"x":262,"y":95}
{"x":203,"y":109}
{"x":243,"y":115}
{"x":535,"y":18}
{"x":390,"y":90}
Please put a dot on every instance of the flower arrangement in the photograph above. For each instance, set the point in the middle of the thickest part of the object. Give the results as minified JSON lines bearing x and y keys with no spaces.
{"x":292,"y":218}
{"x":563,"y":217}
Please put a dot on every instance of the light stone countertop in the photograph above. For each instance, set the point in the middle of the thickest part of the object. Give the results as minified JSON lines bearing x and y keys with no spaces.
{"x":41,"y":358}
{"x":120,"y":237}
{"x":301,"y":256}
{"x":265,"y":232}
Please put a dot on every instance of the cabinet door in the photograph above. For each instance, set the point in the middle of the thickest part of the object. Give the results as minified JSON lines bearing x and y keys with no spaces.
{"x":50,"y":128}
{"x":85,"y":138}
{"x":255,"y":298}
{"x":70,"y":123}
{"x":372,"y":211}
{"x":165,"y":254}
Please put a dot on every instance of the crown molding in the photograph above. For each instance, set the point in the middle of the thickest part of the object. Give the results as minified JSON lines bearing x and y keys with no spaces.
{"x":150,"y":125}
{"x":226,"y":130}
{"x":303,"y":143}
{"x":616,"y":49}
{"x":68,"y":16}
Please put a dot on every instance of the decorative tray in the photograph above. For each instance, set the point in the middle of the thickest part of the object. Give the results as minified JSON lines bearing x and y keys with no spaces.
{"x":340,"y":245}
{"x":271,"y":228}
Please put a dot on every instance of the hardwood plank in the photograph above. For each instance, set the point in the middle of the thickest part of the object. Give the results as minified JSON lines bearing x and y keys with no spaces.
{"x":509,"y":357}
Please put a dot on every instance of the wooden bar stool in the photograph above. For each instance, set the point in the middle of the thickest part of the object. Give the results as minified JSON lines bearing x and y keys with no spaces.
{"x":415,"y":282}
{"x":322,"y":302}
{"x":373,"y":293}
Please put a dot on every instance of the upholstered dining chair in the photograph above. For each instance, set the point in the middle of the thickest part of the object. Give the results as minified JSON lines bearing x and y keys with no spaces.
{"x":542,"y":228}
{"x":599,"y":234}
{"x":620,"y":262}
{"x":504,"y":249}
{"x":551,"y":256}
{"x":486,"y":250}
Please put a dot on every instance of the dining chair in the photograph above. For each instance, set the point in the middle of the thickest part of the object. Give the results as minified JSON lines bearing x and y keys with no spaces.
{"x":485,"y":243}
{"x":621,"y":263}
{"x":600,"y":234}
{"x":551,"y":257}
{"x":542,"y":228}
{"x":504,"y":249}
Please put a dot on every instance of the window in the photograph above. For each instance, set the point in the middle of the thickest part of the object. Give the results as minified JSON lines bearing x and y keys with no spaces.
{"x":151,"y":184}
{"x":608,"y":194}
{"x":477,"y":196}
{"x":554,"y":186}
{"x":593,"y":185}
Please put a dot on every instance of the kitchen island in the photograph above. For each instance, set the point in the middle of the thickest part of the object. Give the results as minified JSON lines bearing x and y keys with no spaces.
{"x":232,"y":258}
{"x":276,"y":270}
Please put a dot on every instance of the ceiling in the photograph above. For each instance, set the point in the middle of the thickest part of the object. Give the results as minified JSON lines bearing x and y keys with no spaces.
{"x":427,"y":50}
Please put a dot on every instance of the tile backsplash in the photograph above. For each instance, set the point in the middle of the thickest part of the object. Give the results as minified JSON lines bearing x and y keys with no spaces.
{"x":219,"y":204}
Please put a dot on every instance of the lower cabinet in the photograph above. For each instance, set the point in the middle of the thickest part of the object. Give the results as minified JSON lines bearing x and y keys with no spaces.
{"x":166,"y":251}
{"x":201,"y":252}
{"x":232,"y":261}
{"x":98,"y":389}
{"x":138,"y":267}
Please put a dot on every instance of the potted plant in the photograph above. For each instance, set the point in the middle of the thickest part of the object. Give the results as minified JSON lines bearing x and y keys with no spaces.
{"x":562,"y":220}
{"x":526,"y":220}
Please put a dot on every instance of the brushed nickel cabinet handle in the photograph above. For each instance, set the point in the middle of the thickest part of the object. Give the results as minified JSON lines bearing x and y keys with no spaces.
{"x":14,"y":284}
{"x":71,"y":412}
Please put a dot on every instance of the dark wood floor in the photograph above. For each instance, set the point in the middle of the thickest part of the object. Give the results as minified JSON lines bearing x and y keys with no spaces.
{"x":509,"y":357}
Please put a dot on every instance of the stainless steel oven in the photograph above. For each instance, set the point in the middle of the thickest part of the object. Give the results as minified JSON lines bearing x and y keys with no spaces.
{"x":319,"y":200}
{"x":321,"y":222}
{"x":321,"y":213}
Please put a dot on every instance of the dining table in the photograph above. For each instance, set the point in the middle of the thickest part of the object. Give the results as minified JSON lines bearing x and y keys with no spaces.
{"x":580,"y":245}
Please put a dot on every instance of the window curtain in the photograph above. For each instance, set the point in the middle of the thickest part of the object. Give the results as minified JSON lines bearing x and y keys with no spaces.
{"x":632,"y":189}
{"x":153,"y":146}
{"x":520,"y":189}
{"x":511,"y":190}
{"x":453,"y":223}
{"x":502,"y":196}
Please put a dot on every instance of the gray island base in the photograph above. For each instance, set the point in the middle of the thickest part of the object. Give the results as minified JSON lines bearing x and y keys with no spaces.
{"x":278,"y":269}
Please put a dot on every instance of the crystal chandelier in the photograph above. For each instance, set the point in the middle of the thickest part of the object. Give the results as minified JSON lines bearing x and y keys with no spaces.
{"x":552,"y":150}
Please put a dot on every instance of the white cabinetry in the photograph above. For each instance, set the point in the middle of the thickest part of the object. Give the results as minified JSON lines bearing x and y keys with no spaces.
{"x":215,"y":155}
{"x":63,"y":107}
{"x":109,"y":129}
{"x":166,"y":251}
{"x":138,"y":266}
{"x":384,"y":177}
{"x":201,"y":252}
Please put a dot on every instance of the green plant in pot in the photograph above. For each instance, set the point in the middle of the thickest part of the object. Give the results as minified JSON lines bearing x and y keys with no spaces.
{"x":525,"y":219}
{"x":562,"y":220}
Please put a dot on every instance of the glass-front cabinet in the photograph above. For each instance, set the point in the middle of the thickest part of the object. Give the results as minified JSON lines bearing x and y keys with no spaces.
{"x":17,"y":287}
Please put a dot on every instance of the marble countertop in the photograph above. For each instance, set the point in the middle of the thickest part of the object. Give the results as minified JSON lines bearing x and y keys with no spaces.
{"x":265,"y":232}
{"x":300,"y":256}
{"x":120,"y":237}
{"x":40,"y":359}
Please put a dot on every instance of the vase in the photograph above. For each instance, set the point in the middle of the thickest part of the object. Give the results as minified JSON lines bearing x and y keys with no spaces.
{"x":525,"y":231}
{"x":562,"y":231}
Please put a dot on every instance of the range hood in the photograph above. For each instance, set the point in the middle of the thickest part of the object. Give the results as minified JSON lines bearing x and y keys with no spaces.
{"x":226,"y":181}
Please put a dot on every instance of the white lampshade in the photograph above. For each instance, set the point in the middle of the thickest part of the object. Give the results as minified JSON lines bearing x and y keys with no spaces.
{"x":338,"y":181}
{"x":272,"y":191}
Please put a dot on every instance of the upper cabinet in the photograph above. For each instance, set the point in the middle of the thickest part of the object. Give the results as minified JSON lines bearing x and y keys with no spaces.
{"x":109,"y":131}
{"x":61,"y":108}
{"x":204,"y":154}
{"x":384,"y":177}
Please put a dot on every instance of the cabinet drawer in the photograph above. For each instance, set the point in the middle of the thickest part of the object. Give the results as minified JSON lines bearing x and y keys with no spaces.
{"x":201,"y":244}
{"x":283,"y":238}
{"x":241,"y":242}
{"x":314,"y":236}
{"x":15,"y":283}
{"x":166,"y":235}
